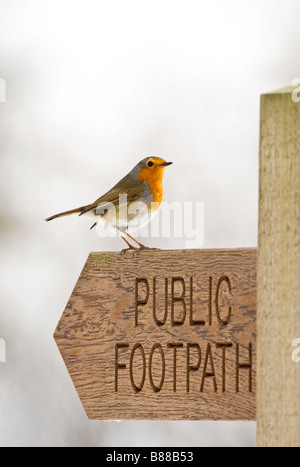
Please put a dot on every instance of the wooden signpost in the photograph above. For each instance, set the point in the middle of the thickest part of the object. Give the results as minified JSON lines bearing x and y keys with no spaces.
{"x":164,"y":335}
{"x":172,"y":334}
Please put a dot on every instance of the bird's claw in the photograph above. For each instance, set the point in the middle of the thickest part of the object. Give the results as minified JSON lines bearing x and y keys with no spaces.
{"x":132,"y":248}
{"x":135,"y":249}
{"x":143,"y":247}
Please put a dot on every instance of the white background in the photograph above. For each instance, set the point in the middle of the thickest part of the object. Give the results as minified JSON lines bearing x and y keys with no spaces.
{"x":93,"y":87}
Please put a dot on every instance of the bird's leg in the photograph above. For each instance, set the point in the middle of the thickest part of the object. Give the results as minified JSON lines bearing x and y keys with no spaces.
{"x":130,"y":247}
{"x":142,"y":247}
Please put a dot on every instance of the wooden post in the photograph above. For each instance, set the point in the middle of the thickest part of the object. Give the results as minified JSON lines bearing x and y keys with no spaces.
{"x":278,"y":306}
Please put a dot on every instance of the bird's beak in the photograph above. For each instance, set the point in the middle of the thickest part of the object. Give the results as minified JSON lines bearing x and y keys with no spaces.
{"x":165,"y":164}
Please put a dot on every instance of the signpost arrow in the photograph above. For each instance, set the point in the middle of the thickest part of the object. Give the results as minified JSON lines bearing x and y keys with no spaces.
{"x":163,"y":335}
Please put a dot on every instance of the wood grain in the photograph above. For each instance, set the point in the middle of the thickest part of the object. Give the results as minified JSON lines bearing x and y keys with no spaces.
{"x":278,"y":319}
{"x":164,"y":335}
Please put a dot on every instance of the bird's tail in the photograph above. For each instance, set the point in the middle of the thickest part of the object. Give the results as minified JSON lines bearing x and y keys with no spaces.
{"x":66,"y":213}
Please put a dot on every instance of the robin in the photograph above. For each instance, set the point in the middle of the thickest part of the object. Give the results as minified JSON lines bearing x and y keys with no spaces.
{"x":131,"y":203}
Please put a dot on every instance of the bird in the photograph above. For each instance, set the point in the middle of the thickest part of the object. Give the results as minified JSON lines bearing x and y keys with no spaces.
{"x":130,"y":204}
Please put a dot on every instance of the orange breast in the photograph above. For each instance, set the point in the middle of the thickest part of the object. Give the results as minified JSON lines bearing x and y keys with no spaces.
{"x":154,"y":181}
{"x":157,"y":192}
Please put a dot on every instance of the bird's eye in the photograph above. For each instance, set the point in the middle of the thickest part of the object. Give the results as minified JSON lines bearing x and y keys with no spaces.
{"x":150,"y":163}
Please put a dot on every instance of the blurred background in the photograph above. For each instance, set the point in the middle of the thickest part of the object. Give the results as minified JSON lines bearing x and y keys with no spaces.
{"x":92,"y":87}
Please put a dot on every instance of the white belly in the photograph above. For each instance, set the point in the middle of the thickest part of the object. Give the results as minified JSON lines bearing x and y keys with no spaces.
{"x":130,"y":219}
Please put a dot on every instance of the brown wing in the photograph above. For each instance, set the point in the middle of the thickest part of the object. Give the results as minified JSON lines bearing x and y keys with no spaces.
{"x":129,"y":186}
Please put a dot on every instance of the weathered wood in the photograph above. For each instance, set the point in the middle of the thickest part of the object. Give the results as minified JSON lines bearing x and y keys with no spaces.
{"x":164,"y":335}
{"x":278,"y":317}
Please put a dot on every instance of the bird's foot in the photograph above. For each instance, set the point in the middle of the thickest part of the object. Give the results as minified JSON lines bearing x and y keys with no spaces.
{"x":130,"y":247}
{"x":143,"y":247}
{"x":133,"y":249}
